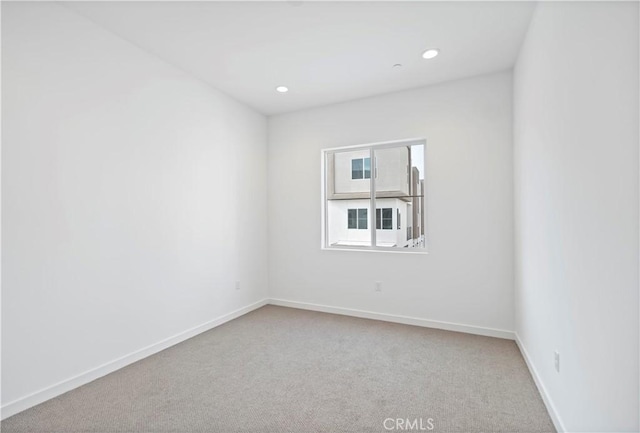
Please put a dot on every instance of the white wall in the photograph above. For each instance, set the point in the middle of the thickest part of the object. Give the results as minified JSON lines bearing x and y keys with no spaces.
{"x":467,"y":277}
{"x":576,"y":170}
{"x":133,"y":199}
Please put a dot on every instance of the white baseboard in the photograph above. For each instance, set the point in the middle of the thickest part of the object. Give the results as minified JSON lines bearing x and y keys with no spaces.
{"x":546,"y":398}
{"x":59,"y":388}
{"x":469,"y":329}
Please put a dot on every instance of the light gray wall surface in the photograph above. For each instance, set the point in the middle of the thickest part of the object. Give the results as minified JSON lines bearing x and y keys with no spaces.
{"x":467,"y":276}
{"x":133,"y":199}
{"x":576,"y":171}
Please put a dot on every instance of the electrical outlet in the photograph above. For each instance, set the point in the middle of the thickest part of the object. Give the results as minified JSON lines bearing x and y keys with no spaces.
{"x":556,"y":358}
{"x":237,"y":285}
{"x":378,"y":286}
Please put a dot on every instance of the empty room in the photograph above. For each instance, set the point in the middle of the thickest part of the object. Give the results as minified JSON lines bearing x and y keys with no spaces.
{"x":320,"y":216}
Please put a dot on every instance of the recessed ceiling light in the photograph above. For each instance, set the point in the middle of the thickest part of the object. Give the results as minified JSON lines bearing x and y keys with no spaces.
{"x":430,"y":53}
{"x":282,"y":89}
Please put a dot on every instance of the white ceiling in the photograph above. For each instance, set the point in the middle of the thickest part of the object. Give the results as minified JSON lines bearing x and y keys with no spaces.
{"x":325,"y":52}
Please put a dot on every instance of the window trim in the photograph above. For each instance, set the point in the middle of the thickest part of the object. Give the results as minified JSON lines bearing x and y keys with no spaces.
{"x":323,"y":195}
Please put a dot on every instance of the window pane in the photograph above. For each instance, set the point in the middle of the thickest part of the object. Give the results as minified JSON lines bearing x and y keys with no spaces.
{"x":367,"y":168}
{"x":344,"y":196}
{"x":378,"y":219}
{"x":356,"y":169}
{"x":362,"y":219}
{"x":352,"y":219}
{"x":387,"y":223}
{"x":399,"y":185}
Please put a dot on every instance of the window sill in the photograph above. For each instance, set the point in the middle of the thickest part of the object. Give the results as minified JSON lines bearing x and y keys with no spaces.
{"x":379,"y":250}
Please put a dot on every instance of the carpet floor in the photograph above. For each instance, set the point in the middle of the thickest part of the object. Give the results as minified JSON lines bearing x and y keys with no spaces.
{"x":285,"y":370}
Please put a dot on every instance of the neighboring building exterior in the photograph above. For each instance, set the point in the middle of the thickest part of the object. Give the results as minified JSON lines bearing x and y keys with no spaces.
{"x":416,"y":186}
{"x":399,"y":198}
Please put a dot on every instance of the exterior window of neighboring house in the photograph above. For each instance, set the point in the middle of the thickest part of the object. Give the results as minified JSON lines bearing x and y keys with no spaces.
{"x":382,"y":182}
{"x":357,"y":219}
{"x":384,"y":218}
{"x":361,"y":168}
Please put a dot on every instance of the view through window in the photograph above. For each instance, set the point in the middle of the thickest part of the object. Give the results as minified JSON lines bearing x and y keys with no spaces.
{"x":374,"y":196}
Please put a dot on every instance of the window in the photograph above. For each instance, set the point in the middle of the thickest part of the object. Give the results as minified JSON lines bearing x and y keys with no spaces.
{"x":384,"y":219}
{"x":361,"y":168}
{"x":357,"y":219}
{"x":354,"y":191}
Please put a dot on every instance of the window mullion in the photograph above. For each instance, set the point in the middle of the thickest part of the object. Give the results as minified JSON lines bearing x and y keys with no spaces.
{"x":372,"y":181}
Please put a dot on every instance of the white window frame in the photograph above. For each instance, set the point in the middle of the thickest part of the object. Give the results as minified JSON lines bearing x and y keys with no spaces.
{"x":382,"y":218}
{"x":324,"y":244}
{"x":358,"y":218}
{"x":363,"y":169}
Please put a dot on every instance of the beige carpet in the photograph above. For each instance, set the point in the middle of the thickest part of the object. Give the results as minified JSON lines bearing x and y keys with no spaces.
{"x":285,"y":370}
